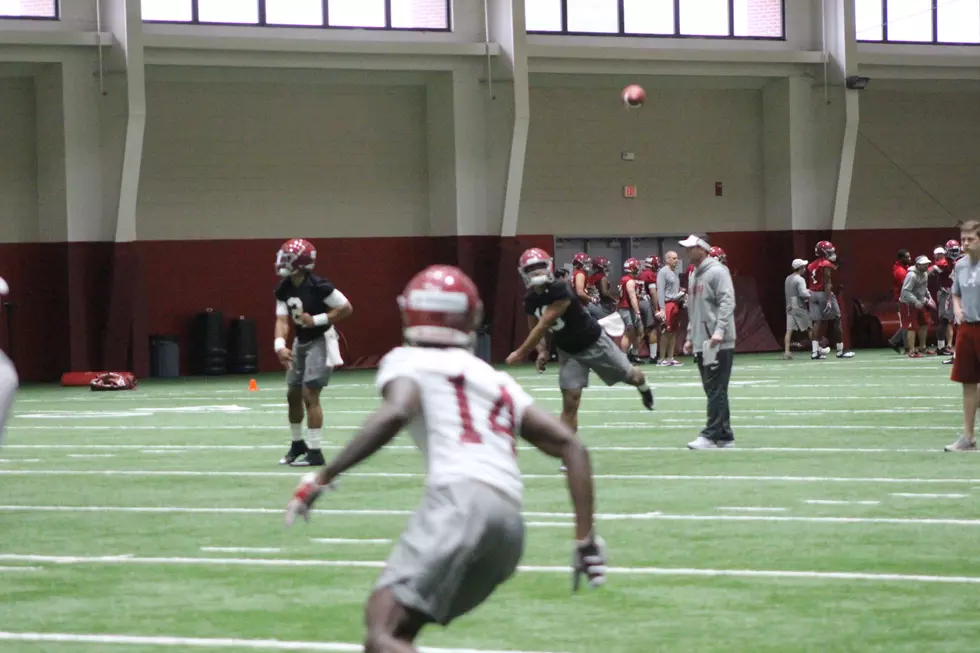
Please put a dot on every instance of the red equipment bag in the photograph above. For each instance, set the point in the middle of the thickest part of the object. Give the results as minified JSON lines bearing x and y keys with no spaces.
{"x":113,"y":381}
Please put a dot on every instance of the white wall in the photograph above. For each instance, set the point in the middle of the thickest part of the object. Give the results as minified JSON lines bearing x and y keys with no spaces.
{"x":933,"y":141}
{"x":18,"y":163}
{"x":272,"y":160}
{"x":684,"y":141}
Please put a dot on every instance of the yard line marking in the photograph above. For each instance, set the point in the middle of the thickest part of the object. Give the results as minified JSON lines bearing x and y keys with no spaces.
{"x":831,"y":502}
{"x":349,"y":540}
{"x":372,"y":564}
{"x":173,"y":450}
{"x":556,"y":476}
{"x":643,"y":516}
{"x":215,"y":642}
{"x":551,"y":524}
{"x":928,"y":496}
{"x":91,"y":455}
{"x":6,"y":569}
{"x":239,"y":549}
{"x":751,"y":509}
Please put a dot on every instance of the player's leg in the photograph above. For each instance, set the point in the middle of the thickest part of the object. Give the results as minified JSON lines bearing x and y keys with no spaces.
{"x":8,"y":388}
{"x":294,"y":398}
{"x":715,"y":380}
{"x":818,"y":302}
{"x":391,"y":627}
{"x":966,"y":371}
{"x":838,"y":326}
{"x":316,"y":376}
{"x":788,"y":338}
{"x":614,"y":367}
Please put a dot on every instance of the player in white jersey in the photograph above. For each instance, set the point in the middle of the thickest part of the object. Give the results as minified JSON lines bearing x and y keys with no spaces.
{"x":8,"y":378}
{"x":468,"y":535}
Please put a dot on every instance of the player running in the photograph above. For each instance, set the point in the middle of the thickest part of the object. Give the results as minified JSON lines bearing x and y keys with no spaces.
{"x":8,"y":378}
{"x":312,"y":305}
{"x":824,"y":309}
{"x":581,"y":342}
{"x":467,"y":537}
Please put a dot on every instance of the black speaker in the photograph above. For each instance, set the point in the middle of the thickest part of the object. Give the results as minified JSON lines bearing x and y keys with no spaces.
{"x":243,"y":346}
{"x":210,"y":352}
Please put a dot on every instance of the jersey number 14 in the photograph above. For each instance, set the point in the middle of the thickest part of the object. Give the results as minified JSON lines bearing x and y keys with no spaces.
{"x":500,"y":423}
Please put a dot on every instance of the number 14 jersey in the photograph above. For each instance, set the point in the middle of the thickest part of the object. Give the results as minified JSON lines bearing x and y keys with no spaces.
{"x":470,"y":418}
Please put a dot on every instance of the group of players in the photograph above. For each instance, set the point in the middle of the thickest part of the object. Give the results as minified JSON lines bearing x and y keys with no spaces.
{"x":923,"y":289}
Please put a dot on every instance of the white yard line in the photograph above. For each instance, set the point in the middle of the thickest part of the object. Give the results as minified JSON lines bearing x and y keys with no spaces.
{"x":91,"y":455}
{"x":831,"y":502}
{"x":751,"y":509}
{"x":15,"y":569}
{"x":214,"y":642}
{"x":239,"y":549}
{"x":349,"y":540}
{"x":913,"y":495}
{"x":378,"y":564}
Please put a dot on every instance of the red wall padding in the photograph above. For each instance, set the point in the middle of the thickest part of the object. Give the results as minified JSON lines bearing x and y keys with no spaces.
{"x":65,"y":293}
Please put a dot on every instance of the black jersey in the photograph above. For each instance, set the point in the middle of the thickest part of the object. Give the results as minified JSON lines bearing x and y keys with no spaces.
{"x":573,"y":331}
{"x":308,"y":297}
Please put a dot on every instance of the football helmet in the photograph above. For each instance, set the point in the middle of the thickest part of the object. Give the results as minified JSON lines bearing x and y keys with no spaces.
{"x":631,"y":266}
{"x":537,"y":268}
{"x":582,"y":261}
{"x":718,"y":253}
{"x":295,"y":255}
{"x":440,"y":306}
{"x":600,"y":263}
{"x":825,"y":249}
{"x":653,"y":262}
{"x":953,"y":249}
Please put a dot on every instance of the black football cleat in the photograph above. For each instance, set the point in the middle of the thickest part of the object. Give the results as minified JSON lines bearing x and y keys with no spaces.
{"x":296,"y":449}
{"x":313,"y":458}
{"x":647,"y":396}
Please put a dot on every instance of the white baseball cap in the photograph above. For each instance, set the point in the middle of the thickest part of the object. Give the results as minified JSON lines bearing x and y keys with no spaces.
{"x":938,"y":251}
{"x":695,"y":241}
{"x":922,"y":260}
{"x":799,"y":263}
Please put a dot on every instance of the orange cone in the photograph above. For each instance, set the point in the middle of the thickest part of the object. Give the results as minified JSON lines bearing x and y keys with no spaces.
{"x":253,"y":386}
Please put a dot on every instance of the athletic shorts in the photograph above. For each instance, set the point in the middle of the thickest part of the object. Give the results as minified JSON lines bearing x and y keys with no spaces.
{"x":646,"y":310}
{"x":944,"y":305}
{"x":912,"y":317}
{"x":630,"y":319}
{"x":797,"y":319}
{"x":460,"y":545}
{"x":603,"y":356}
{"x":672,"y":312}
{"x":818,"y":305}
{"x":309,"y":367}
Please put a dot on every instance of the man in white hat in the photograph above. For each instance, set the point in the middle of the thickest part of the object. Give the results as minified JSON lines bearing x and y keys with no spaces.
{"x":711,"y":338}
{"x":8,"y":378}
{"x":914,"y":301}
{"x":797,"y":296}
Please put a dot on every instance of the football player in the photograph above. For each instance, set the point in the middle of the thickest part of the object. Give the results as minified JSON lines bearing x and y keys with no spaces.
{"x":467,"y":537}
{"x":311,"y":305}
{"x":900,"y":268}
{"x":824,"y":309}
{"x":946,"y":258}
{"x":914,"y":301}
{"x":581,"y":342}
{"x":8,"y":377}
{"x":649,"y":298}
{"x":671,"y":297}
{"x":600,"y":290}
{"x":629,"y":307}
{"x":719,"y":254}
{"x":581,"y":269}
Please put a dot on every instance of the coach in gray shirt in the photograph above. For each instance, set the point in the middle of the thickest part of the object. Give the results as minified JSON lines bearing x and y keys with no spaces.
{"x":966,"y":309}
{"x":711,"y":337}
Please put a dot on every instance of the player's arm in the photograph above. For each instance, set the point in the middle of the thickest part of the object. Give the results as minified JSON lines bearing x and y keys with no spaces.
{"x":802,"y":290}
{"x":631,"y":293}
{"x":605,"y":290}
{"x":726,"y":307}
{"x":402,"y":401}
{"x":828,"y":281}
{"x":540,"y":328}
{"x":543,"y":347}
{"x":282,"y":332}
{"x":338,"y":307}
{"x":661,"y":280}
{"x":957,"y":302}
{"x":548,"y":434}
{"x":908,"y":296}
{"x":580,"y":289}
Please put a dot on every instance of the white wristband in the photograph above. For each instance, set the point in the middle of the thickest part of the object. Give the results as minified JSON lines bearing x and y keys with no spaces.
{"x":321,"y":319}
{"x":280,"y":344}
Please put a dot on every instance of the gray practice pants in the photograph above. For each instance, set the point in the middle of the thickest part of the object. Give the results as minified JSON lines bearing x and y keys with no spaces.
{"x":715,"y":380}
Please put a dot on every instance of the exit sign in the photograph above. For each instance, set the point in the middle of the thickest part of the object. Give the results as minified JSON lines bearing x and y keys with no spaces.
{"x":629,"y":191}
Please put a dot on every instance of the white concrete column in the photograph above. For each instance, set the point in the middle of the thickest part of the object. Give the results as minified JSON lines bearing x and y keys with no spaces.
{"x":841,"y":45}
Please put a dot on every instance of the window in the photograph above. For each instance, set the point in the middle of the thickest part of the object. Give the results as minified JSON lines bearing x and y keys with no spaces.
{"x":705,"y":18}
{"x":918,"y":21}
{"x":364,"y":14}
{"x":28,"y":8}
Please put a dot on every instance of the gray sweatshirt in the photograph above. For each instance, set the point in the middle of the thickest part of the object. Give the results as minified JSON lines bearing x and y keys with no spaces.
{"x":796,"y":292}
{"x":915,"y":289}
{"x":711,"y":304}
{"x":668,"y":285}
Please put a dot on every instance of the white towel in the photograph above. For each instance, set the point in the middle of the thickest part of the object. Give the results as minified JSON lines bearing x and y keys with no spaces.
{"x":333,"y":348}
{"x":613,"y":325}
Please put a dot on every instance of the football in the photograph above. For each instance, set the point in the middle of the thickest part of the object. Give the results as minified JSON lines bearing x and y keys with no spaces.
{"x":634,"y":96}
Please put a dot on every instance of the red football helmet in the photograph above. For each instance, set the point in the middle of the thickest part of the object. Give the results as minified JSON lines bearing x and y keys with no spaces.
{"x":719,"y":253}
{"x":295,"y":255}
{"x":653,"y":262}
{"x":825,"y":249}
{"x":582,"y":261}
{"x":537,"y":268}
{"x":440,"y":306}
{"x":953,"y":249}
{"x":631,"y":266}
{"x":600,"y":263}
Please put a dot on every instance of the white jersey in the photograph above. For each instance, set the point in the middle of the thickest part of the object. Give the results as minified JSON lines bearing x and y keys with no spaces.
{"x":471,"y":415}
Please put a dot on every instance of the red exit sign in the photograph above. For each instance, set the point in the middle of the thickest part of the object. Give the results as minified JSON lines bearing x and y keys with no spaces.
{"x":629,"y":191}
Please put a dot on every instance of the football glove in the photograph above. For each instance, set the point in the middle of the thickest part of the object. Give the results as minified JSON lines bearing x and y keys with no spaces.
{"x":307,"y":492}
{"x":589,"y":559}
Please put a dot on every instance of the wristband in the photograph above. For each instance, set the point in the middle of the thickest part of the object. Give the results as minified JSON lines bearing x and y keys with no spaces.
{"x":280,"y":344}
{"x":321,"y":319}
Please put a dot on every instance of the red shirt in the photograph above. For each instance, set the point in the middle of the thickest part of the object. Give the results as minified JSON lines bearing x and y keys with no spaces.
{"x":899,"y":270}
{"x":575,"y":276}
{"x":648,"y":277}
{"x":945,"y":273}
{"x":815,"y":274}
{"x":624,"y":295}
